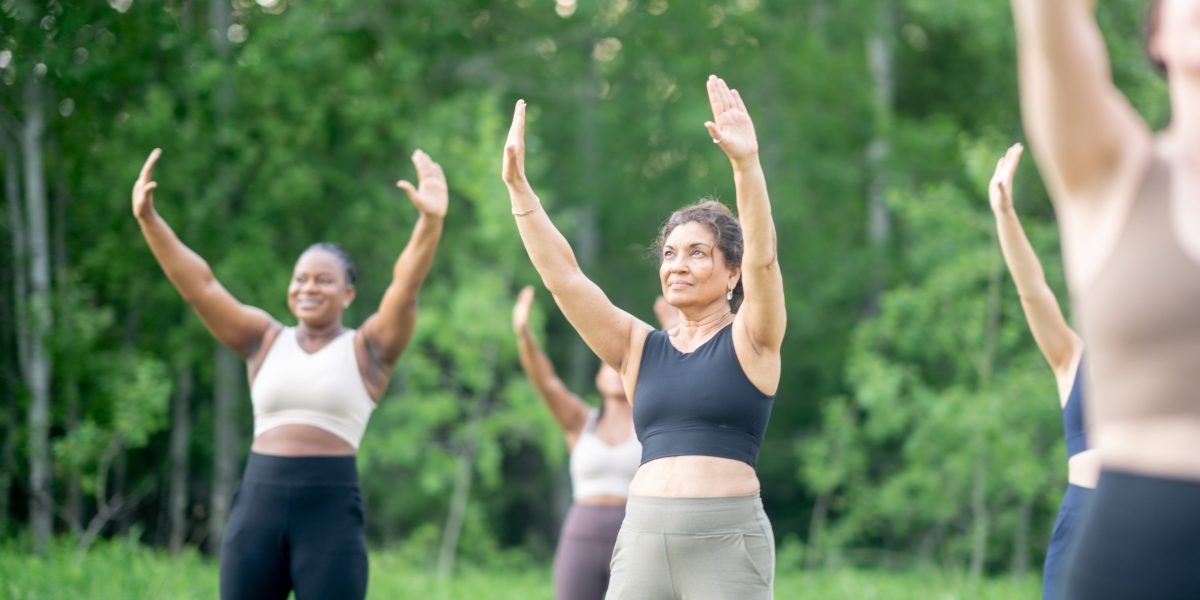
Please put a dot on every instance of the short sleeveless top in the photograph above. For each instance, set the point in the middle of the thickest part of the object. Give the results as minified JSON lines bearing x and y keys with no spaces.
{"x":699,"y":403}
{"x":601,"y":469}
{"x":1072,"y":416}
{"x":1141,"y":315}
{"x":323,"y":389}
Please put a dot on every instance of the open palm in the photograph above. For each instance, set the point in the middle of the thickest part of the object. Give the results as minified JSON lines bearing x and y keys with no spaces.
{"x":731,"y":126}
{"x":430,"y":195}
{"x":1000,"y":188}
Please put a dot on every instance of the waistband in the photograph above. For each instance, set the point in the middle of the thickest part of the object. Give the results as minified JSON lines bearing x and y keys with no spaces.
{"x":657,"y":514}
{"x":301,"y":470}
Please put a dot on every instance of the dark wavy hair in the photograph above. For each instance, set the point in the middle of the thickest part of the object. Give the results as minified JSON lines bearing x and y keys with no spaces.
{"x":342,"y":256}
{"x":1149,"y":30}
{"x":724,"y":227}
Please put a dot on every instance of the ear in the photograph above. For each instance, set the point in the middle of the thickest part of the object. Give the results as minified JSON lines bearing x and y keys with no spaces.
{"x":735,"y":275}
{"x":348,"y":297}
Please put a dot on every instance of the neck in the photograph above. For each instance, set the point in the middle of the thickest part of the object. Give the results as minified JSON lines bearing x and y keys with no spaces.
{"x":319,"y":331}
{"x":616,"y":404}
{"x":1185,"y":115}
{"x":706,"y":322}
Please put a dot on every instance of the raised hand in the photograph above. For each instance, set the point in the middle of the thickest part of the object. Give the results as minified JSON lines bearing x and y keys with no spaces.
{"x":143,"y":188}
{"x":520,"y":316}
{"x":731,"y":126}
{"x":513,"y":170}
{"x":430,"y":195}
{"x":1000,"y":188}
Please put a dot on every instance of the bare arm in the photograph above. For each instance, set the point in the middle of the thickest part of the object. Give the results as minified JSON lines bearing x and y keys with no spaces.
{"x":1057,"y":341}
{"x":762,"y":314}
{"x":386,"y":332}
{"x":609,"y":331}
{"x":570,"y":412}
{"x":1080,"y":125}
{"x":239,"y":327}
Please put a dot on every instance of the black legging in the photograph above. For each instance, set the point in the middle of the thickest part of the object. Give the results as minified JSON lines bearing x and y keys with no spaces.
{"x":1140,"y":540}
{"x":296,"y":524}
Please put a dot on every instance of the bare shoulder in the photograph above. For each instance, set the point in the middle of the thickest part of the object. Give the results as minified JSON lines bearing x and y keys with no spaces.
{"x":258,"y":355}
{"x":1092,"y":219}
{"x":762,"y":365}
{"x":633,"y":357}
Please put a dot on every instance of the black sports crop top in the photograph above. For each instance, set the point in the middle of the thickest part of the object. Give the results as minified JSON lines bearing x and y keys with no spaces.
{"x":699,"y":403}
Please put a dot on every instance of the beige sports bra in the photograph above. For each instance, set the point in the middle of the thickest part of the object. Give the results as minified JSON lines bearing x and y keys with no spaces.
{"x":323,"y":389}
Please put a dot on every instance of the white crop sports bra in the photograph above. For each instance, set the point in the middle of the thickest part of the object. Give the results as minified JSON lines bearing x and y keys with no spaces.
{"x":599,"y":469}
{"x":323,"y":389}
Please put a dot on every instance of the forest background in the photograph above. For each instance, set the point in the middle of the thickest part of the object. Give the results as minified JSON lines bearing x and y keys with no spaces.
{"x":916,"y":423}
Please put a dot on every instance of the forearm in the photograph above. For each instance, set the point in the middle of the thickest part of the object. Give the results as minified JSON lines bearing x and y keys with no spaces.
{"x":548,"y":250}
{"x":535,"y":363}
{"x":1023,"y":264}
{"x":754,"y":214}
{"x":411,"y":269}
{"x":188,"y":272}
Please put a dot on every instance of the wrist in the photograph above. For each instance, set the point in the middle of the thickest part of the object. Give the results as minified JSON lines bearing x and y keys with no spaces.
{"x":746,"y":164}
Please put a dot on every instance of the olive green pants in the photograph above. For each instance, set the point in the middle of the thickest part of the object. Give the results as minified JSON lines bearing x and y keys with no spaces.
{"x":693,"y":549}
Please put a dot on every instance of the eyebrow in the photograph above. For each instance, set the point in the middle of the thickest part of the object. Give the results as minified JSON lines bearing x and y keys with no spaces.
{"x":691,"y":245}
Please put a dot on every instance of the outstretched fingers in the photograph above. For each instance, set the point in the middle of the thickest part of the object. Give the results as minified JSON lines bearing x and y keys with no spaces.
{"x":516,"y":132}
{"x":148,"y":167}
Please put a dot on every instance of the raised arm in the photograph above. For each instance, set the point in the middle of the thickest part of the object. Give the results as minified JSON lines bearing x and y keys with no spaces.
{"x":388,"y":330}
{"x":763,"y":315}
{"x":1058,"y":343}
{"x":239,"y":327}
{"x":610,"y":332}
{"x":1084,"y":132}
{"x":570,"y":412}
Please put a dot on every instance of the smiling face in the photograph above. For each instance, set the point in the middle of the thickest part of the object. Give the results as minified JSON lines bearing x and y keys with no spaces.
{"x":319,"y":291}
{"x":693,"y":272}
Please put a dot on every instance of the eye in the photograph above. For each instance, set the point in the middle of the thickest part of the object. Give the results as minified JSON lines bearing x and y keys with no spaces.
{"x":668,"y":253}
{"x":697,"y":252}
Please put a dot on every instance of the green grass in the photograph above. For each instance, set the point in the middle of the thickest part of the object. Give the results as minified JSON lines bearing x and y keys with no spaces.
{"x":121,"y":570}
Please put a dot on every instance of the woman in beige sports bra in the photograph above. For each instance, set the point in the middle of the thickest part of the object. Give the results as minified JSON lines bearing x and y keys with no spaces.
{"x":296,"y":522}
{"x":605,"y":454}
{"x":1128,"y":204}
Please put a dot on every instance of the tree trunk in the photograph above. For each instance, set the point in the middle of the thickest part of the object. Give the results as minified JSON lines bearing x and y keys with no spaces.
{"x":1019,"y":564}
{"x":181,"y":429}
{"x":980,"y":520}
{"x":73,"y":503}
{"x":20,"y":291}
{"x":980,"y":517}
{"x":883,"y":79}
{"x":458,"y":506}
{"x":226,"y":399}
{"x":41,"y":510}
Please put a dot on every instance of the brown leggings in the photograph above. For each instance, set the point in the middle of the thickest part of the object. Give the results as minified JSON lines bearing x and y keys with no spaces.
{"x":581,"y":564}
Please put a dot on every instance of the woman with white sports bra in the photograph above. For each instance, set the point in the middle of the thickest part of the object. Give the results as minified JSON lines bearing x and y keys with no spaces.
{"x":1128,"y":205}
{"x":296,"y":522}
{"x":605,"y":454}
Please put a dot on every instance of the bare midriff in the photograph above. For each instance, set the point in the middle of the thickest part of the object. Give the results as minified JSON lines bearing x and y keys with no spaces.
{"x":1083,"y":469}
{"x":602,"y":501}
{"x":694,"y":477}
{"x":301,"y":440}
{"x":1158,"y":447}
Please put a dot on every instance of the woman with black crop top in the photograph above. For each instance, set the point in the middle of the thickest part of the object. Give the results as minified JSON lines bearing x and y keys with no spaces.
{"x":296,"y":520}
{"x":1128,"y":209}
{"x":605,"y":453}
{"x":1063,"y":349}
{"x":702,"y":391}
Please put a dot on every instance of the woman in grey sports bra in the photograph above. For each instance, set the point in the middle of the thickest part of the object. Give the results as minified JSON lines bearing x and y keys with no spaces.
{"x":1128,"y":204}
{"x":296,"y":521}
{"x":694,"y":525}
{"x":604,"y":452}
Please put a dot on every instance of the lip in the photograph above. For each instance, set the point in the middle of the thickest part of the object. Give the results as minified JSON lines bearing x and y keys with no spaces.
{"x":676,"y":285}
